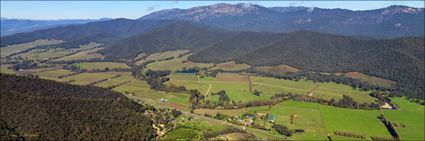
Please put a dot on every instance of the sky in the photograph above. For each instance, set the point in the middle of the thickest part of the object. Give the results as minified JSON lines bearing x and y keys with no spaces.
{"x":50,"y":10}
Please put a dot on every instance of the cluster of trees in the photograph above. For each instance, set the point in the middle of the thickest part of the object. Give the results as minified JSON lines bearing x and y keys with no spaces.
{"x":39,"y":109}
{"x":349,"y":134}
{"x":156,"y":78}
{"x":257,"y":93}
{"x":282,"y":129}
{"x":223,"y":98}
{"x":195,"y":98}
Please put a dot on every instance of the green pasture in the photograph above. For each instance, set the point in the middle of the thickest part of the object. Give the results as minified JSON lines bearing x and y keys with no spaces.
{"x":101,"y":65}
{"x":86,"y":78}
{"x":125,"y":76}
{"x":16,"y":48}
{"x":53,"y":74}
{"x":411,"y":115}
{"x":176,"y":64}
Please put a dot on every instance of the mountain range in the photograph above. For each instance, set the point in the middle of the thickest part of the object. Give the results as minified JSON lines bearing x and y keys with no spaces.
{"x":389,"y":22}
{"x":255,"y":35}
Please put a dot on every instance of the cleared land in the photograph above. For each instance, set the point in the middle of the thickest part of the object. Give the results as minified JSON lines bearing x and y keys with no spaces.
{"x":370,"y":79}
{"x":124,"y":78}
{"x":231,"y":66}
{"x":83,"y":55}
{"x":237,"y":87}
{"x":101,"y":65}
{"x":16,"y":48}
{"x":325,"y":90}
{"x":4,"y":68}
{"x":280,"y":69}
{"x":160,"y":56}
{"x":409,"y":114}
{"x":177,"y":64}
{"x":53,"y":74}
{"x":87,"y":78}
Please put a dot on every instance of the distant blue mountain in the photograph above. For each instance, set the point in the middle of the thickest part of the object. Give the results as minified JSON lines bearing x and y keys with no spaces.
{"x":12,"y":26}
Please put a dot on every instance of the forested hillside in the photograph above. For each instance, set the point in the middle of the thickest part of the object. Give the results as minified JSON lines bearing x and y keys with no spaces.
{"x":104,"y":31}
{"x":37,"y":109}
{"x":399,"y":59}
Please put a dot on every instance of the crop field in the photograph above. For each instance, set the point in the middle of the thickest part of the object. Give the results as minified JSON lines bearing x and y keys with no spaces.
{"x":409,"y":114}
{"x":101,"y":65}
{"x":160,"y":56}
{"x":11,"y":49}
{"x":280,"y":69}
{"x":231,"y":66}
{"x":83,"y":55}
{"x":87,"y":78}
{"x":177,"y":64}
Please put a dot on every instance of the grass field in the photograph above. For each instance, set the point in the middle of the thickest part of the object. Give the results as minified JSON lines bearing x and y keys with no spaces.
{"x":176,"y":64}
{"x":125,"y":77}
{"x":87,"y":78}
{"x":370,"y":79}
{"x":140,"y":90}
{"x":16,"y":48}
{"x":45,"y":54}
{"x":409,"y":114}
{"x":159,"y":56}
{"x":193,"y":130}
{"x":53,"y":74}
{"x":4,"y":68}
{"x":237,"y":87}
{"x":279,"y":69}
{"x":83,"y":55}
{"x":325,"y":90}
{"x":101,"y":65}
{"x":231,"y":66}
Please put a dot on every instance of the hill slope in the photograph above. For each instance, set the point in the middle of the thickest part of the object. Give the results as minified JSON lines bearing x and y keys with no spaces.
{"x":399,"y":59}
{"x":104,"y":31}
{"x":389,"y":22}
{"x":12,"y":26}
{"x":39,"y":109}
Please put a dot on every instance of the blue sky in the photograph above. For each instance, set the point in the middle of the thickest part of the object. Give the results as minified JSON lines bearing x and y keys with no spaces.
{"x":136,"y":9}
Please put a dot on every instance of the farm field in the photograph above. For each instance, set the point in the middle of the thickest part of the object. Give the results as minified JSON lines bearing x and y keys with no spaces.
{"x":83,"y":55}
{"x":162,"y":55}
{"x":53,"y":74}
{"x":409,"y":114}
{"x":280,"y":69}
{"x":4,"y":68}
{"x":176,"y":64}
{"x":193,"y":130}
{"x":370,"y":79}
{"x":16,"y":48}
{"x":101,"y":65}
{"x":125,"y":77}
{"x":140,"y":90}
{"x":237,"y":87}
{"x":231,"y":66}
{"x":324,"y":90}
{"x":87,"y":78}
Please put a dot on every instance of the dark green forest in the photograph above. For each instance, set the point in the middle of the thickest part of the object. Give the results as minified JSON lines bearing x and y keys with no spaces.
{"x":37,"y":109}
